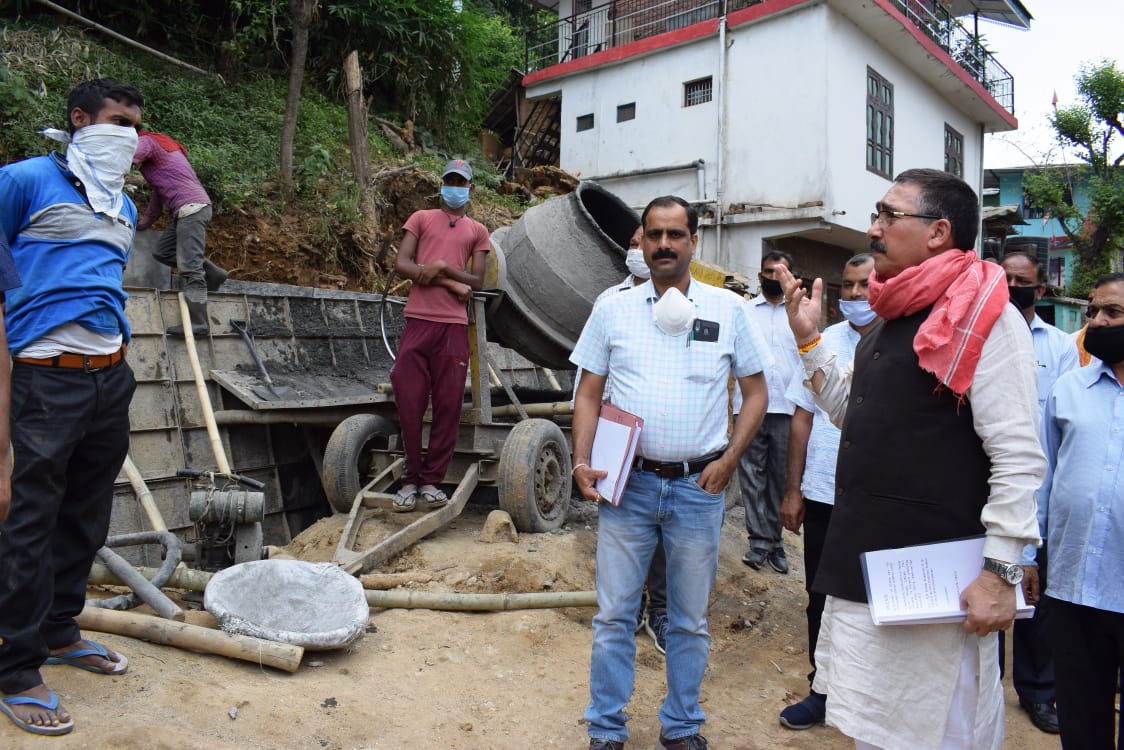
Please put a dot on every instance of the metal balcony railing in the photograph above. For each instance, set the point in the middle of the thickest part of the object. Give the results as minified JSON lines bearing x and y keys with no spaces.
{"x":620,"y":22}
{"x":614,"y":24}
{"x":964,"y":47}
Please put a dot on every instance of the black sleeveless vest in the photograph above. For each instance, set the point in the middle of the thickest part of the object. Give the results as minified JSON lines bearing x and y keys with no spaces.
{"x":911,"y":468}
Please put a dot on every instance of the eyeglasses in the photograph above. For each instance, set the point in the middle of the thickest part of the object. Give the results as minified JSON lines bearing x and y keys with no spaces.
{"x":885,"y":217}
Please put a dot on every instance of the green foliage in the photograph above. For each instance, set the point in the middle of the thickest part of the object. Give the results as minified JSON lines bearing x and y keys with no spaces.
{"x":1095,"y":224}
{"x":231,"y":132}
{"x":422,"y":59}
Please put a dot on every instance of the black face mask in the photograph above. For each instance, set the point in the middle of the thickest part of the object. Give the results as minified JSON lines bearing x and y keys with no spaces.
{"x":1022,"y":297}
{"x":771,"y":288}
{"x":1106,"y":343}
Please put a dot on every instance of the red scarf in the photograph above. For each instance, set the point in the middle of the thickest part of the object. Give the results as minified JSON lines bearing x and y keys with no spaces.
{"x":967,"y":296}
{"x":166,"y":142}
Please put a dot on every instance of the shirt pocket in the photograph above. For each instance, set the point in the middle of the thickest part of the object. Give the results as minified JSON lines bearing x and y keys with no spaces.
{"x":706,"y":362}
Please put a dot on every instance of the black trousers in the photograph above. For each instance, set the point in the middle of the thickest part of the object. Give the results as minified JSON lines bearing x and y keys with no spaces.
{"x":1032,"y":658}
{"x":1088,"y":657}
{"x":761,"y":476}
{"x":816,"y":518}
{"x":70,"y":436}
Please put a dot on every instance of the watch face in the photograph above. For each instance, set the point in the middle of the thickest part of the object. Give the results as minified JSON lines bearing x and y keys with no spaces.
{"x":1014,"y":574}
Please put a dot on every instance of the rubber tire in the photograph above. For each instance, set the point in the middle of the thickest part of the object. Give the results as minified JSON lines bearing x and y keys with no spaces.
{"x":347,"y":461}
{"x":533,"y":479}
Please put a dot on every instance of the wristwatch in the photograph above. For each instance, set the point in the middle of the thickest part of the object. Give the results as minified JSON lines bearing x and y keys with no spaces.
{"x":1012,"y":573}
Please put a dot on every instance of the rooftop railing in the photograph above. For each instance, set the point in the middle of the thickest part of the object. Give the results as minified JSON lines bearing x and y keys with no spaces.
{"x":620,"y":22}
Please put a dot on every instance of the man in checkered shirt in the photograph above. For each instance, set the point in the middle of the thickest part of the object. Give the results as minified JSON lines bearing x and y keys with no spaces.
{"x":670,"y":346}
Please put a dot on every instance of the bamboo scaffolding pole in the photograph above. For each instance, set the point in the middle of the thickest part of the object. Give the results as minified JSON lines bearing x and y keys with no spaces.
{"x":196,"y":580}
{"x":283,"y":656}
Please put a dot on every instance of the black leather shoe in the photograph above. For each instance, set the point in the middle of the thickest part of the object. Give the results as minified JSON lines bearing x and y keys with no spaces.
{"x":1042,"y":715}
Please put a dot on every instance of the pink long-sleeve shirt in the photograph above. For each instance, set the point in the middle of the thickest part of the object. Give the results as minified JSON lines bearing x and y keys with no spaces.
{"x":171,"y":177}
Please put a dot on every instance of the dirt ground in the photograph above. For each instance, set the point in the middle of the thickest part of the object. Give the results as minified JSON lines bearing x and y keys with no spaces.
{"x":463,"y":681}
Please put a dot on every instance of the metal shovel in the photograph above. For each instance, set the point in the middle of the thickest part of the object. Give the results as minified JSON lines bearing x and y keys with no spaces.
{"x":281,"y":393}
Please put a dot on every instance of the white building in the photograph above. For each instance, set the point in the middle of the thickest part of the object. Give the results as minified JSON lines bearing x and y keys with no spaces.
{"x":783,"y":119}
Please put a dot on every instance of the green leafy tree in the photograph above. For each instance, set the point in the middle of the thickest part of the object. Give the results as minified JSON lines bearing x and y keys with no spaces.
{"x":1091,"y":129}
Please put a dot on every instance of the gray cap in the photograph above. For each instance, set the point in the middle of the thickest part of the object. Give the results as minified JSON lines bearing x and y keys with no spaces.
{"x":458,"y":166}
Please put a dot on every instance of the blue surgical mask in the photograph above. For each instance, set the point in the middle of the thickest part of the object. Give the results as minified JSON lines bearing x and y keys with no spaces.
{"x":454,"y":197}
{"x":857,"y":311}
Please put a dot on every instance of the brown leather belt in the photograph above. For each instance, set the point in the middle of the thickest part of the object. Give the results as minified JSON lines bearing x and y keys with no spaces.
{"x":676,"y":469}
{"x":68,"y":361}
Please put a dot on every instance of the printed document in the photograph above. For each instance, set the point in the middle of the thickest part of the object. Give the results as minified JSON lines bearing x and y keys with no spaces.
{"x":922,"y":584}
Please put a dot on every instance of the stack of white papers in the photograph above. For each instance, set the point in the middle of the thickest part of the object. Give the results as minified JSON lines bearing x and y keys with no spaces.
{"x":614,"y":449}
{"x":922,"y":584}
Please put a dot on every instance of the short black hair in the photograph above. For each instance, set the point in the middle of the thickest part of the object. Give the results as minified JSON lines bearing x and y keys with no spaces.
{"x":1110,"y":278}
{"x":667,"y":201}
{"x":90,"y":97}
{"x":859,"y":259}
{"x":949,"y":197}
{"x":1039,"y":269}
{"x":778,"y":255}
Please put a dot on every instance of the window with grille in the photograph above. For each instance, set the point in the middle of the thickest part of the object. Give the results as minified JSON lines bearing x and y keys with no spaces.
{"x":585,"y":122}
{"x":879,"y":125}
{"x":699,"y":91}
{"x":626,"y":112}
{"x":953,"y":151}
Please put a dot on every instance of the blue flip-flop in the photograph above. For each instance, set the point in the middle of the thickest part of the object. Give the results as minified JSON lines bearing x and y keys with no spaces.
{"x":73,"y":659}
{"x":51,"y":704}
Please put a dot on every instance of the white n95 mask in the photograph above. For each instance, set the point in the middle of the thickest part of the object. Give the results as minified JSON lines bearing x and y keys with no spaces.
{"x":636,"y":265}
{"x":673,"y":313}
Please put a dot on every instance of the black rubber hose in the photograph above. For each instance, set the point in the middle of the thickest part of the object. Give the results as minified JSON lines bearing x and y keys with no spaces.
{"x":172,"y":556}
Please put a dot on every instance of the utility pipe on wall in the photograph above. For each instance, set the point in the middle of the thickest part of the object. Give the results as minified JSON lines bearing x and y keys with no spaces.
{"x":720,"y":191}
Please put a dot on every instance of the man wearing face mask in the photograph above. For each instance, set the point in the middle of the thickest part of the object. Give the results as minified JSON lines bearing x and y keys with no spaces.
{"x":442,"y":252}
{"x":813,"y":448}
{"x":761,"y":470}
{"x":1032,"y":671}
{"x":653,"y":617}
{"x":669,"y":346}
{"x":70,"y":228}
{"x":1080,"y":507}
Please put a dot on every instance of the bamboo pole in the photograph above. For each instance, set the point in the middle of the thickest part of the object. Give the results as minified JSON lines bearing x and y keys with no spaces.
{"x":144,"y":496}
{"x":196,"y":580}
{"x":283,"y":656}
{"x":479,"y":602}
{"x":201,"y":387}
{"x":122,"y":38}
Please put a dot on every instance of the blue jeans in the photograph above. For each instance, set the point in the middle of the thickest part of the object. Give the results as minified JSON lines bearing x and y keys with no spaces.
{"x":690,"y":521}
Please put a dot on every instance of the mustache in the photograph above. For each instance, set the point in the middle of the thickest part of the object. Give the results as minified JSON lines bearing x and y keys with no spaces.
{"x":661,"y":254}
{"x":877,"y":246}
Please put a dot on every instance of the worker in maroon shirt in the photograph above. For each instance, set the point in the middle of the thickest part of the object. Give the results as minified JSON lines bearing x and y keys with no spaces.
{"x":442,"y":252}
{"x":165,"y":167}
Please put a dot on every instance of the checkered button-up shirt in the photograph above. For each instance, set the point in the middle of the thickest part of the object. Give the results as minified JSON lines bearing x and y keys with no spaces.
{"x":678,"y":385}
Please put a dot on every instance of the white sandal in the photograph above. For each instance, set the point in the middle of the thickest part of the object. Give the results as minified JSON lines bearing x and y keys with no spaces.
{"x":406,"y":499}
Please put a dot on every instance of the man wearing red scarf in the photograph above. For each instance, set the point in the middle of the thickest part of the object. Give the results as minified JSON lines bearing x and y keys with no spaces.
{"x":939,"y":442}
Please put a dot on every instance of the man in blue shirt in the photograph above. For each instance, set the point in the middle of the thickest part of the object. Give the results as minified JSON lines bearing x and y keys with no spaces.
{"x":669,"y":346}
{"x":70,"y":228}
{"x":1081,"y":512}
{"x":1032,"y":671}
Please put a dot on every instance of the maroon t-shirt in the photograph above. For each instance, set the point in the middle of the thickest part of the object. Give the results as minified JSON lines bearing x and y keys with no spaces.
{"x":454,"y":245}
